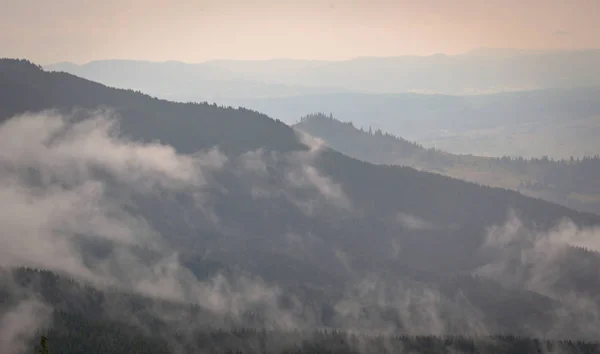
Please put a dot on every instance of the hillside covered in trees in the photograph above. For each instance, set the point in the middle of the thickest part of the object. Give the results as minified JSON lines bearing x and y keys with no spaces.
{"x":255,"y":225}
{"x":83,"y":323}
{"x":573,"y":182}
{"x":553,"y":122}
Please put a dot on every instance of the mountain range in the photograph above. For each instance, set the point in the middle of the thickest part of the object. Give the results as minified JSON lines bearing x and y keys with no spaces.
{"x":479,"y":71}
{"x":558,"y":123}
{"x":261,"y":225}
{"x":458,"y":104}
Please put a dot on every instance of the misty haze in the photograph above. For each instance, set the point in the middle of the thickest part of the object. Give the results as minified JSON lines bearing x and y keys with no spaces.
{"x":299,"y":177}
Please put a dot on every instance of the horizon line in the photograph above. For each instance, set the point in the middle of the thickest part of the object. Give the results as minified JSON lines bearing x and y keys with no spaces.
{"x":473,"y":51}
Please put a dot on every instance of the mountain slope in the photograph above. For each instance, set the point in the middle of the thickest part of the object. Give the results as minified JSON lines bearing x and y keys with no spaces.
{"x":561,"y":122}
{"x":271,"y":220}
{"x":192,"y":127}
{"x":559,"y":114}
{"x":572,"y":183}
{"x":94,"y":331}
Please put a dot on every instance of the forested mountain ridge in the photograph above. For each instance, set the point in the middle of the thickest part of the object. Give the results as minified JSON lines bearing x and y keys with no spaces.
{"x":26,"y":87}
{"x":86,"y":319}
{"x":558,"y":123}
{"x":573,"y":183}
{"x":191,"y":127}
{"x":236,"y":211}
{"x":439,"y":101}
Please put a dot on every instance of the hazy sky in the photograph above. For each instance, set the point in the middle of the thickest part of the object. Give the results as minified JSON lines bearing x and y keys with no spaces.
{"x":48,"y":31}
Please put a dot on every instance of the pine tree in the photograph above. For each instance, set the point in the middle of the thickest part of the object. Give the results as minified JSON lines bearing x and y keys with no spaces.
{"x":43,"y":346}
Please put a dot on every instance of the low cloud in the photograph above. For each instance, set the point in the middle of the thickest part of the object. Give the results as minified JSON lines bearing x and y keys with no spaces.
{"x":411,"y":222}
{"x":19,"y":325}
{"x":67,"y":181}
{"x":561,"y":264}
{"x":300,"y":175}
{"x":378,"y":305}
{"x":72,"y":183}
{"x":70,"y":151}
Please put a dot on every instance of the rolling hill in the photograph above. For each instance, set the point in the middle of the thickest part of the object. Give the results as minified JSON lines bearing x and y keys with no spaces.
{"x":558,"y":123}
{"x":573,"y":183}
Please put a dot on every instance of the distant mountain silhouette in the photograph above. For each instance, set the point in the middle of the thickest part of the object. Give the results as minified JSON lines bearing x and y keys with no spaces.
{"x":184,"y":82}
{"x":480,"y":71}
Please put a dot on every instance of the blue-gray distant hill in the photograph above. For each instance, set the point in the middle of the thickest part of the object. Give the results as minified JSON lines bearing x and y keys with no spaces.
{"x":475,"y":72}
{"x":559,"y":123}
{"x":185,"y":82}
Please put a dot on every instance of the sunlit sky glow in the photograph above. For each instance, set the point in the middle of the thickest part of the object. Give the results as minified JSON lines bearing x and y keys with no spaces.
{"x":197,"y":30}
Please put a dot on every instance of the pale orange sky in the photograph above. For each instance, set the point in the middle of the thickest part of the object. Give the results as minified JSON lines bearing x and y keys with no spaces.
{"x":47,"y":31}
